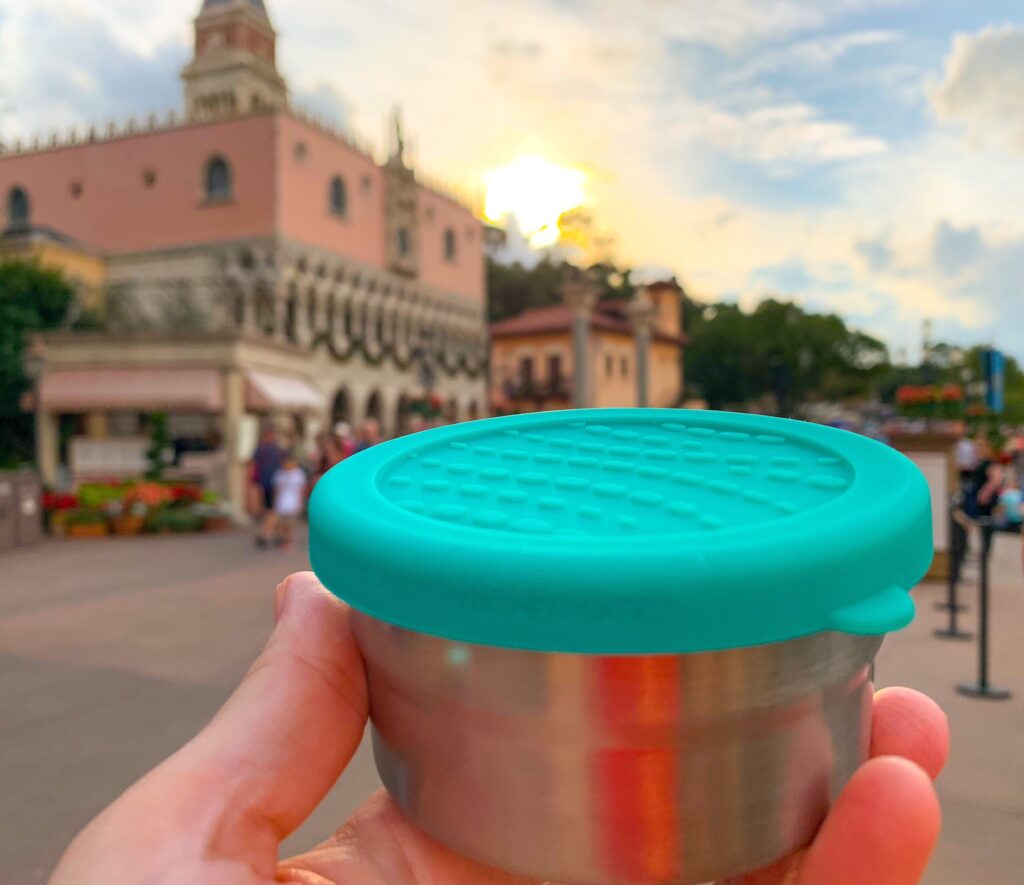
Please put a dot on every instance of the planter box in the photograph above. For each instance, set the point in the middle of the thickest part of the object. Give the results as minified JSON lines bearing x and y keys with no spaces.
{"x":216,"y":524}
{"x":88,"y":530}
{"x":128,"y":525}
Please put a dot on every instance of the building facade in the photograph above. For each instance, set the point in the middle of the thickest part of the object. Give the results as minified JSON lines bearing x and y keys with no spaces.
{"x":247,"y":263}
{"x":534,"y":360}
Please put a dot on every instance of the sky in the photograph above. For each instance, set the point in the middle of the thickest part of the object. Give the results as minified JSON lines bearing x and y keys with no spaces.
{"x":859,"y":156}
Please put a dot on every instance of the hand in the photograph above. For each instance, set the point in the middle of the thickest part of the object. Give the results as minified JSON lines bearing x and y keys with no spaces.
{"x":217,"y":810}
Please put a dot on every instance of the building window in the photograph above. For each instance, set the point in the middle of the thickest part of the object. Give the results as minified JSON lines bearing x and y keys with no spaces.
{"x":367,"y":184}
{"x":526,"y":371}
{"x":404,"y":242}
{"x":19,"y":209}
{"x":149,"y":178}
{"x":555,"y":369}
{"x":449,"y":245}
{"x":625,"y":366}
{"x":218,"y":179}
{"x":300,"y":151}
{"x":609,"y":365}
{"x":338,"y":197}
{"x":76,"y":190}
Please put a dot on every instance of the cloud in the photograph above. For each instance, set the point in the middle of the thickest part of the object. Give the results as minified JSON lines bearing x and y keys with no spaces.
{"x":955,"y":249}
{"x":876,"y":253}
{"x":84,"y":66}
{"x":785,"y":134}
{"x":983,"y":87}
{"x":814,"y":55}
{"x":326,"y":101}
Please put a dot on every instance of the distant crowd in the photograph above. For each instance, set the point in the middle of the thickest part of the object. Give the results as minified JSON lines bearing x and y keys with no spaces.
{"x":281,"y":476}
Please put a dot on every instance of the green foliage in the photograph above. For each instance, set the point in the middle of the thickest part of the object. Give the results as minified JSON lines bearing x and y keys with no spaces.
{"x":777,"y":351}
{"x":947,"y":364}
{"x":32,"y":299}
{"x":513,"y":288}
{"x":159,"y":442}
{"x":85,"y":516}
{"x":177,"y":518}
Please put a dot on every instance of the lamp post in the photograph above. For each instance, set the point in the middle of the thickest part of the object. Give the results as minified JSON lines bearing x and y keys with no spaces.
{"x":641,"y":312}
{"x":580,"y":295}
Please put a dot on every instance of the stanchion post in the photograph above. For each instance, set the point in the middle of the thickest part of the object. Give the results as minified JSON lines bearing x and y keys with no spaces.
{"x":982,"y":688}
{"x":956,"y":552}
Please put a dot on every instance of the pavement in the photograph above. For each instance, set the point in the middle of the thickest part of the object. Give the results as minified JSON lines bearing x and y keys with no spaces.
{"x":113,"y":653}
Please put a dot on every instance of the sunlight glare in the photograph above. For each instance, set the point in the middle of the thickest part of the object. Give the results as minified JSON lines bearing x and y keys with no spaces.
{"x":537,"y":193}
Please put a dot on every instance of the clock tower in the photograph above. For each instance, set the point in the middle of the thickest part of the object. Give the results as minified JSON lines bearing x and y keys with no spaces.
{"x":234,"y":68}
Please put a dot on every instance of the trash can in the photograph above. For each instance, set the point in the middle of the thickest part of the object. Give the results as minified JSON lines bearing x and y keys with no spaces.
{"x":8,"y":512}
{"x":28,"y":505}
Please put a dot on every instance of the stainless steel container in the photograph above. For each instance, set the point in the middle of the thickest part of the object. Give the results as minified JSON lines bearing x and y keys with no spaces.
{"x":618,"y":770}
{"x":625,"y":646}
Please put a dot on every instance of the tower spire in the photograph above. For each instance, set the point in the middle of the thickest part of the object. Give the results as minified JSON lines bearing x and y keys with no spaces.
{"x":234,"y":67}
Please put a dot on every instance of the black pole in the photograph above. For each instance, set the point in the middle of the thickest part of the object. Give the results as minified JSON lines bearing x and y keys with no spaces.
{"x":981,"y":688}
{"x":956,"y":555}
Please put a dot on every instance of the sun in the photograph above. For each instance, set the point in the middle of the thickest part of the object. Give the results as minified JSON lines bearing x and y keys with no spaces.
{"x":537,"y":192}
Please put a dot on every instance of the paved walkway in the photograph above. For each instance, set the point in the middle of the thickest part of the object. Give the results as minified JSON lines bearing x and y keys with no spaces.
{"x":113,"y":653}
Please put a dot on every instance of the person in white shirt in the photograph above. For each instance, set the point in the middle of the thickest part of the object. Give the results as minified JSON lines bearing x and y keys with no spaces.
{"x":289,"y":499}
{"x":966,"y":456}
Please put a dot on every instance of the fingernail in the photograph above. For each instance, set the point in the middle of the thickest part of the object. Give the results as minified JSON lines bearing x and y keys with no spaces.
{"x":279,"y":599}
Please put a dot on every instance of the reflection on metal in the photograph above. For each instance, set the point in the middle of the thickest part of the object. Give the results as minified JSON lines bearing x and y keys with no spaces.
{"x":618,"y":769}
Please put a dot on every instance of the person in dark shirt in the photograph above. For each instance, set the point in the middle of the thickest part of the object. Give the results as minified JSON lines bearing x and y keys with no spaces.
{"x":266,"y":461}
{"x":986,"y":482}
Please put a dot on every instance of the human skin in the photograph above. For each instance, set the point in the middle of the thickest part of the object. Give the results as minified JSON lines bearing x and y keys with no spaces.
{"x":216,"y":812}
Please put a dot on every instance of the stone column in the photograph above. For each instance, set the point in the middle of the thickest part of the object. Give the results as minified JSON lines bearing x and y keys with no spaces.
{"x":47,"y":445}
{"x":641,"y":312}
{"x":234,"y":466}
{"x":580,"y":295}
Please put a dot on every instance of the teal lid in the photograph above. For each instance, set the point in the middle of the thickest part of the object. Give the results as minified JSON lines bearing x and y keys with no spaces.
{"x":626,"y":531}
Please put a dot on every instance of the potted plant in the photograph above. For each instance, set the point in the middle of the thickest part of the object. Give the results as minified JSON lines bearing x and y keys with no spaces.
{"x":215,"y":513}
{"x":128,"y":518}
{"x":173,"y":519}
{"x":86,"y":523}
{"x":56,"y":506}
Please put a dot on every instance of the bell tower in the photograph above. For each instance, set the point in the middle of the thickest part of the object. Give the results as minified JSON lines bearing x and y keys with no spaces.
{"x":234,"y":67}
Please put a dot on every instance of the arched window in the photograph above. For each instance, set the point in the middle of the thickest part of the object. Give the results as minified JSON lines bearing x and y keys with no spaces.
{"x":18,"y":208}
{"x":449,"y":245}
{"x":218,"y":179}
{"x":339,"y":197}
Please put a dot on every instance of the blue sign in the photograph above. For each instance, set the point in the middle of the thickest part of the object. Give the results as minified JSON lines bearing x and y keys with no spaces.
{"x":995,"y":379}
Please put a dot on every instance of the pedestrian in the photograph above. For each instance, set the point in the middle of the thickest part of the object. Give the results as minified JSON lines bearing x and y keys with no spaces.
{"x":289,"y":498}
{"x":966,"y":455}
{"x":343,"y":440}
{"x":369,"y":434}
{"x":985,"y":482}
{"x":265,"y":463}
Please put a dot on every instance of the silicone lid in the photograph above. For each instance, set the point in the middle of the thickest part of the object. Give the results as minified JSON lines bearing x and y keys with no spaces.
{"x":626,"y":531}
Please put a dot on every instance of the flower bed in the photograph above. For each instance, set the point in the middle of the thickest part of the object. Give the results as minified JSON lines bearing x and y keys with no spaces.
{"x":132,"y":508}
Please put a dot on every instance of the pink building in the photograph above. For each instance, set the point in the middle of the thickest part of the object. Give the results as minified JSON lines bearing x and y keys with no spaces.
{"x":256,"y":264}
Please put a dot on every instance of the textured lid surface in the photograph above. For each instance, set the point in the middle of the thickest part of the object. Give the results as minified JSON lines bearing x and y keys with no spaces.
{"x":626,"y":531}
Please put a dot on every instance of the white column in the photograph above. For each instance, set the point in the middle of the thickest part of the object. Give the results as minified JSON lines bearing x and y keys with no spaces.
{"x":580,"y":295}
{"x":641,"y":312}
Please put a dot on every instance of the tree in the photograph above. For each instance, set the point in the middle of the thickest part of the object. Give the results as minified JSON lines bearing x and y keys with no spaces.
{"x":32,"y":299}
{"x":513,"y":288}
{"x":777,"y":350}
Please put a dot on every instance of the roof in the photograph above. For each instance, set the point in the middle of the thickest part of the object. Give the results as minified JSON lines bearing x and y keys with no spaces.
{"x":37,"y":233}
{"x":608,"y":316}
{"x":215,"y":5}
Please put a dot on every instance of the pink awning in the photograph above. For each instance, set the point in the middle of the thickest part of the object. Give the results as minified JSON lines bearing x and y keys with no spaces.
{"x":69,"y":390}
{"x":267,"y":391}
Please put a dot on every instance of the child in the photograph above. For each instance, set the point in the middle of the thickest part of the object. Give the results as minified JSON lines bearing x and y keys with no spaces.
{"x":289,"y":496}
